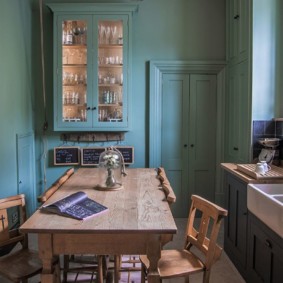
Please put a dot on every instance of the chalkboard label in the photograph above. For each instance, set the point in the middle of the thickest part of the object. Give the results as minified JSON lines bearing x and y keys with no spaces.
{"x":127,"y":152}
{"x":90,"y":155}
{"x":66,"y":155}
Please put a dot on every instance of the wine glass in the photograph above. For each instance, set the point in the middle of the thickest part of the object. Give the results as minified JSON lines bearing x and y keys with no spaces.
{"x":100,"y":33}
{"x":107,"y":34}
{"x":113,"y":34}
{"x":83,"y":35}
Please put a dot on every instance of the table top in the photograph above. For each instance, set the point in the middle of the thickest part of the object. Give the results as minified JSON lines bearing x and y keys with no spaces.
{"x":140,"y":207}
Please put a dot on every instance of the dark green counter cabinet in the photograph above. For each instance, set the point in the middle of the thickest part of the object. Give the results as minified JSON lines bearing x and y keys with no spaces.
{"x":235,"y":225}
{"x":255,"y":250}
{"x":265,"y":253}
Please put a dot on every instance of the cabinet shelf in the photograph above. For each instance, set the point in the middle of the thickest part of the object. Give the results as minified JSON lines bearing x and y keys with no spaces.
{"x":75,"y":84}
{"x":110,"y":46}
{"x":75,"y":65}
{"x":74,"y":46}
{"x":110,"y":105}
{"x":110,"y":65}
{"x":74,"y":104}
{"x":110,"y":85}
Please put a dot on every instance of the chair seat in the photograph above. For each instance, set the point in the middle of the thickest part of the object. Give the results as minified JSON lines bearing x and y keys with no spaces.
{"x":174,"y":263}
{"x":21,"y":265}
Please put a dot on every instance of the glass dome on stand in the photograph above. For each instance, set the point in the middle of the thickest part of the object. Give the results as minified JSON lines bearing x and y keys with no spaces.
{"x":112,"y":170}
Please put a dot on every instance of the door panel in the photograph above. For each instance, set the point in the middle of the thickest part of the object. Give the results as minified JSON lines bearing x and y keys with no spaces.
{"x":188,"y":136}
{"x":26,"y":170}
{"x":202,"y":135}
{"x":174,"y":156}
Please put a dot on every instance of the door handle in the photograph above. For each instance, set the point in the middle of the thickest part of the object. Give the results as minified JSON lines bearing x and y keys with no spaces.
{"x":268,"y":243}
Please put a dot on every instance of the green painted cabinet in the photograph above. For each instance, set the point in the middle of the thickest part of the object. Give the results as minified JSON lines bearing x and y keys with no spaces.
{"x":238,"y":114}
{"x":92,"y":66}
{"x":238,"y":21}
{"x":265,"y":254}
{"x":239,"y":93}
{"x":236,"y":224}
{"x":188,"y":117}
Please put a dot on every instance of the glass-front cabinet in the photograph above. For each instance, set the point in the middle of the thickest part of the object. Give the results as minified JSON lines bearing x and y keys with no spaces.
{"x":92,"y":66}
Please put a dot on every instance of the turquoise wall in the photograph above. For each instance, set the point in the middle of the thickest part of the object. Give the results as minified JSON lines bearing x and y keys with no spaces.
{"x":162,"y":30}
{"x":267,"y":64}
{"x":16,"y":87}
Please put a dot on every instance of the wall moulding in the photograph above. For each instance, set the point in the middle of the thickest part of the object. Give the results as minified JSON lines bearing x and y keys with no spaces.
{"x":159,"y":68}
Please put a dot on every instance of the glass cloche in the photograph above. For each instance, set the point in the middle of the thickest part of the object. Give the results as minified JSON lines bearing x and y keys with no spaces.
{"x":112,"y":169}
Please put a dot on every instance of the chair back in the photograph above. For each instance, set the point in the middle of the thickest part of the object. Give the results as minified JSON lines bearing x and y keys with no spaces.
{"x":55,"y":186}
{"x":11,"y":209}
{"x":203,"y":233}
{"x":166,"y":186}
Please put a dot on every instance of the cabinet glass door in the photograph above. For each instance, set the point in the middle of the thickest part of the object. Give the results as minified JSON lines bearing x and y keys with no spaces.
{"x":91,"y":82}
{"x":110,"y":71}
{"x":74,"y":71}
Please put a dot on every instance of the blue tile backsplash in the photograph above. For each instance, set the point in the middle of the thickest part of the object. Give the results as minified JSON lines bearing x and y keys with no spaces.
{"x":267,"y":129}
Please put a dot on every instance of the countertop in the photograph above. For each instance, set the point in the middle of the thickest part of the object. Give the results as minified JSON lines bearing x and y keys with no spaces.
{"x":232,"y":168}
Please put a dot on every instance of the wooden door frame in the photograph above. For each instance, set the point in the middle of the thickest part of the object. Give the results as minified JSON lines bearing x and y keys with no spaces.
{"x":157,"y":70}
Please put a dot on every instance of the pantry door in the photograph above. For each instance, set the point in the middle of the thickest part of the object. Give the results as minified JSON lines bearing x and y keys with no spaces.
{"x":188,"y":136}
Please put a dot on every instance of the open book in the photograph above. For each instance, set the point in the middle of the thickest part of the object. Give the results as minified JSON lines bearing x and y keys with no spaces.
{"x":76,"y":205}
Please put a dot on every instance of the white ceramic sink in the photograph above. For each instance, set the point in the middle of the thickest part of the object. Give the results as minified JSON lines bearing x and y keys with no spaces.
{"x":266,"y":202}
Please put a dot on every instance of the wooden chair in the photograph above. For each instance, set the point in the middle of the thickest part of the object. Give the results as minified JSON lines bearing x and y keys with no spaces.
{"x":182,"y":263}
{"x":166,"y":186}
{"x":132,"y":263}
{"x":170,"y":197}
{"x":76,"y":263}
{"x":21,"y":263}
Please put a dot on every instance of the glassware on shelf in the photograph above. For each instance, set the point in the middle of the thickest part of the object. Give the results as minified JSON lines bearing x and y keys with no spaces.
{"x":68,"y":32}
{"x":109,"y":72}
{"x":76,"y":32}
{"x":109,"y":97}
{"x":120,"y":39}
{"x":107,"y":34}
{"x":74,"y":71}
{"x":113,"y":34}
{"x":83,"y":33}
{"x":100,"y":33}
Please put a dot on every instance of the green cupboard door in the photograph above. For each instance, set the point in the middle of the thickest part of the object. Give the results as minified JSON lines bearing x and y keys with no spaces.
{"x":26,"y":170}
{"x":202,"y":135}
{"x":174,"y":133}
{"x":188,"y":136}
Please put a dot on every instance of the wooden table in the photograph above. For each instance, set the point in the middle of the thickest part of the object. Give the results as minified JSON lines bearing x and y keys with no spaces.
{"x":138,"y":219}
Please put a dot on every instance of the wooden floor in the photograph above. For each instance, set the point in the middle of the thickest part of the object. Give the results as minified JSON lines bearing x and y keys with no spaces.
{"x":222,"y":272}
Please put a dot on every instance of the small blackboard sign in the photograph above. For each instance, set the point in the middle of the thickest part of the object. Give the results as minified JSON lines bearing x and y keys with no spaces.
{"x":66,"y":155}
{"x":90,"y":155}
{"x":127,"y":152}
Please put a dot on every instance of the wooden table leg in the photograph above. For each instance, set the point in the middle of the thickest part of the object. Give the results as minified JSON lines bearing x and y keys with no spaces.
{"x":45,"y":252}
{"x":153,"y":254}
{"x":100,"y":269}
{"x":117,"y":265}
